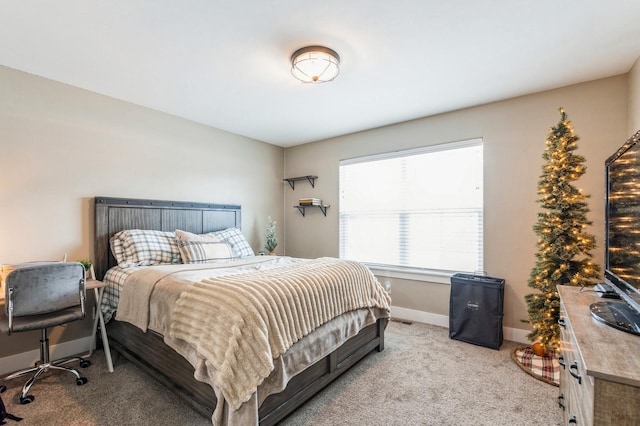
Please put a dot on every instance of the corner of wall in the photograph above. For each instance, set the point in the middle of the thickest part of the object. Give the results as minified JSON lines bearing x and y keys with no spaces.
{"x":634,"y":97}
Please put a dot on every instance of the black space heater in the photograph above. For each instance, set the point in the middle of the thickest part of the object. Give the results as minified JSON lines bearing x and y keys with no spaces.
{"x":475,"y":309}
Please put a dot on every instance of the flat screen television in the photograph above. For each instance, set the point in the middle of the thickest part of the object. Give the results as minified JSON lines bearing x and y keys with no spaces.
{"x":622,"y":238}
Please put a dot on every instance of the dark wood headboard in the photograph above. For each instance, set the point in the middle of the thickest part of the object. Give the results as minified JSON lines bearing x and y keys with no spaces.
{"x":116,"y":214}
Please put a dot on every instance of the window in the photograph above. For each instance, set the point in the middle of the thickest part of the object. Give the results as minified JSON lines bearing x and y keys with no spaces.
{"x":420,"y":209}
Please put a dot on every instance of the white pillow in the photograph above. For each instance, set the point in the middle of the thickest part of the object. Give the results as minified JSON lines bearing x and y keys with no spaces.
{"x":204,"y":251}
{"x":189,"y":236}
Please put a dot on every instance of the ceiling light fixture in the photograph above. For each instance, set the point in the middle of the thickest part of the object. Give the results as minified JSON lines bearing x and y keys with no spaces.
{"x":315,"y":64}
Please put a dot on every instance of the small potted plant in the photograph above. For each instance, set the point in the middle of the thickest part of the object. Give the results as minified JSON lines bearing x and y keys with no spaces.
{"x":88,"y":267}
{"x":272,"y":240}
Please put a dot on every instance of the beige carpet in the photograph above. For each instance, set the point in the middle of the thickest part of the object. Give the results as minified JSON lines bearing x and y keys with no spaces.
{"x":421,"y":378}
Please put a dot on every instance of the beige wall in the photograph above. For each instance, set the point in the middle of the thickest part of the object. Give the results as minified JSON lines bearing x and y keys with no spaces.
{"x":61,"y":146}
{"x":514,"y":133}
{"x":634,"y":98}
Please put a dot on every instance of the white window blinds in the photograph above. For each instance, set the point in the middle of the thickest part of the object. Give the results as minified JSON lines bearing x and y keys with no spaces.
{"x":420,"y":208}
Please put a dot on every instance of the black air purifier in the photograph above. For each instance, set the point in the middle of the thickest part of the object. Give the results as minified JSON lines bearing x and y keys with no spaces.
{"x":475,"y":309}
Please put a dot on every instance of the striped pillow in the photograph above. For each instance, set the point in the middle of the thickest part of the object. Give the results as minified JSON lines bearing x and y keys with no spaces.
{"x":232,"y":236}
{"x":204,"y":251}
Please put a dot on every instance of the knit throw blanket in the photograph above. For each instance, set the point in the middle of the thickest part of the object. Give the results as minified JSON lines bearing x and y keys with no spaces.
{"x":239,"y":324}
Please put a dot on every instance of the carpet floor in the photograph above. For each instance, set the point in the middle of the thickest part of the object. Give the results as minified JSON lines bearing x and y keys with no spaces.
{"x":421,"y":378}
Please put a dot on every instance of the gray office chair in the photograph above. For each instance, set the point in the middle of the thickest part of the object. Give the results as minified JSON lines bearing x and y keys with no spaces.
{"x":38,"y":296}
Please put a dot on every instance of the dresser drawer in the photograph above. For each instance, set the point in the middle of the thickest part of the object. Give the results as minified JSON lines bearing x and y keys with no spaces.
{"x":576,"y":386}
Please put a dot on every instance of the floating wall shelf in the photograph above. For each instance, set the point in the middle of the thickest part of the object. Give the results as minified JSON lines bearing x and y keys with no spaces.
{"x":323,"y":209}
{"x":292,"y":181}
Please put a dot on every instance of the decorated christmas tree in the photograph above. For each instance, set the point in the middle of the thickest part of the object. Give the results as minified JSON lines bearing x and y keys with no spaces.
{"x":564,"y":246}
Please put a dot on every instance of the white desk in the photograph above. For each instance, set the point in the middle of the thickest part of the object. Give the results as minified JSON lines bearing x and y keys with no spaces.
{"x":98,"y":289}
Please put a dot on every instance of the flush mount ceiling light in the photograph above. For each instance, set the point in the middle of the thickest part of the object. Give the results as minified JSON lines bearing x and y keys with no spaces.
{"x":315,"y":64}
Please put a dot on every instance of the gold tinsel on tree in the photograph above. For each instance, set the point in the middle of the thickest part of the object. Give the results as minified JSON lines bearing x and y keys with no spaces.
{"x":564,"y":246}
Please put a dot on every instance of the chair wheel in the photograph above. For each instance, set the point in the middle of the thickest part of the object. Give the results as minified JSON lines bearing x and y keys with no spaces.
{"x":85,"y":363}
{"x":27,"y":399}
{"x":81,"y":381}
{"x":3,"y":388}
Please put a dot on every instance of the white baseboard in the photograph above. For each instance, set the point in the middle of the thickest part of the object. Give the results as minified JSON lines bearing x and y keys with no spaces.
{"x":27,"y":359}
{"x":419,"y":316}
{"x":513,"y":334}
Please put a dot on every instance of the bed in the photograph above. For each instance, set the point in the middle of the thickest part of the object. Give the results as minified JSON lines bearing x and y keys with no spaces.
{"x":152,"y":353}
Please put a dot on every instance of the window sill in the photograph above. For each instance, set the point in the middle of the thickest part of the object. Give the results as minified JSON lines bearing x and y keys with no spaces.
{"x":415,"y":274}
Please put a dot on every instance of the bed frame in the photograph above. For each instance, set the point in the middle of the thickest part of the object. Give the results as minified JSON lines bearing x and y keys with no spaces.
{"x":148,"y":351}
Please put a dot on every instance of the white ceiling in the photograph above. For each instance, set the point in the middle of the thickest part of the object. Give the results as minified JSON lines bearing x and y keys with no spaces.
{"x":226,"y":63}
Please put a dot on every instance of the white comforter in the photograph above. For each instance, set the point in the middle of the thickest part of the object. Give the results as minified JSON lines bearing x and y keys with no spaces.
{"x":239,"y":324}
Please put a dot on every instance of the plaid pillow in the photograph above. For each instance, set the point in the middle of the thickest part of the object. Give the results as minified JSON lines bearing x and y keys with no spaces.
{"x":204,"y":251}
{"x":117,"y":250}
{"x":138,"y":247}
{"x":237,"y":240}
{"x":231,"y":236}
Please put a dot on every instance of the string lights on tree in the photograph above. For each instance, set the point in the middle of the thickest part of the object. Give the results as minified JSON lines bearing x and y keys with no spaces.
{"x":564,"y":245}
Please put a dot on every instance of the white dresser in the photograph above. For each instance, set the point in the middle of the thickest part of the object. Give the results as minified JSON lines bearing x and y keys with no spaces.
{"x":600,"y":366}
